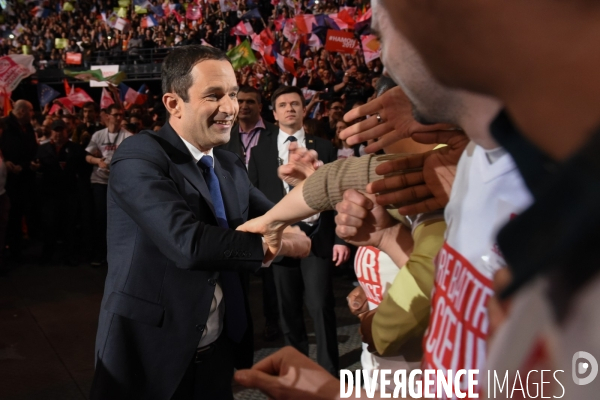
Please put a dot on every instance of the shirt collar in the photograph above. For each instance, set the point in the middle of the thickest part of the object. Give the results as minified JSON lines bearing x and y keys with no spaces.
{"x":197,"y":154}
{"x":300,"y":135}
{"x":259,"y":125}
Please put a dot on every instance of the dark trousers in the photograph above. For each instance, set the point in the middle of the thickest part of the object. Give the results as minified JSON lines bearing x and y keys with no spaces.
{"x":21,"y":196}
{"x":211,"y":378}
{"x":270,"y":304}
{"x":58,"y":222}
{"x":99,"y":192}
{"x":311,"y":282}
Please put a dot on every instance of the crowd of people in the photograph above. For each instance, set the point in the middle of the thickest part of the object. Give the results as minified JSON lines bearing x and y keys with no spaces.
{"x":450,"y":196}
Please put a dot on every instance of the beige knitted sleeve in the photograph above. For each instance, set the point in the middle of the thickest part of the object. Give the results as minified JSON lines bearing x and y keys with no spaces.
{"x":325,"y":188}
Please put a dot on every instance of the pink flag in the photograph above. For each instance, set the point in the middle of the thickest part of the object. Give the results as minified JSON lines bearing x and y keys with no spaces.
{"x":106,"y":99}
{"x":193,"y":12}
{"x":79,"y":97}
{"x":242,"y":29}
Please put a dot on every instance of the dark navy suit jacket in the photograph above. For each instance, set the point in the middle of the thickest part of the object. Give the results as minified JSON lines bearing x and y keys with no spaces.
{"x":165,"y":251}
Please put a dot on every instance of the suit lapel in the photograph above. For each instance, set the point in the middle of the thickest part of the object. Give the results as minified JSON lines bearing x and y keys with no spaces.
{"x":184,"y":162}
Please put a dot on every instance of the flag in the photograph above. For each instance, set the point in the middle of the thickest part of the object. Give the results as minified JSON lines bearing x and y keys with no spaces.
{"x":19,"y":29}
{"x":371,"y":47}
{"x":7,"y":103}
{"x":46,"y":94}
{"x":363,"y":23}
{"x":96,"y":75}
{"x":279,"y":23}
{"x":124,"y":3}
{"x":68,"y":7}
{"x":348,"y":19}
{"x":121,"y":24}
{"x":286,"y":64}
{"x":67,"y":87}
{"x":142,"y":96}
{"x":314,"y":41}
{"x":194,"y":12}
{"x":159,"y":11}
{"x":79,"y":97}
{"x":106,"y":99}
{"x":177,"y":16}
{"x":336,"y":23}
{"x":252,"y":14}
{"x":66,"y":104}
{"x":54,"y":109}
{"x":37,"y":11}
{"x":243,"y":29}
{"x":140,"y":10}
{"x":121,"y":12}
{"x":148,"y":22}
{"x":241,"y":55}
{"x":295,"y":50}
{"x":304,"y":23}
{"x":267,"y":37}
{"x":228,"y":5}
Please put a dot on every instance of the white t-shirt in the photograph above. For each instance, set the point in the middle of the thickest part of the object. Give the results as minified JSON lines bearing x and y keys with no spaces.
{"x":105,"y":144}
{"x":376,"y":272}
{"x":484,"y":197}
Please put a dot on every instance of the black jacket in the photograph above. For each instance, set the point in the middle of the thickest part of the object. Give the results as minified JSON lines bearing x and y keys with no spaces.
{"x":165,"y":251}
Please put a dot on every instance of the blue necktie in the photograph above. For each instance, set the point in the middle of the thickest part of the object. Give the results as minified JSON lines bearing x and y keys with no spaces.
{"x":235,"y":311}
{"x":290,"y":139}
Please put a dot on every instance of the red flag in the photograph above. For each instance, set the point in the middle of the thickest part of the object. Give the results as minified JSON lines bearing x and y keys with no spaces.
{"x":79,"y":97}
{"x":365,"y":17}
{"x":267,"y":37}
{"x":67,"y":87}
{"x":54,"y":109}
{"x":67,"y":104}
{"x":177,"y":16}
{"x":106,"y":99}
{"x":345,"y":16}
{"x":286,"y":64}
{"x":7,"y":104}
{"x":304,"y":23}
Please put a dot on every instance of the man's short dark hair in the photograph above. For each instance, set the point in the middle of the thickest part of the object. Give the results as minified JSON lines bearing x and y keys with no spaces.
{"x":90,"y":104}
{"x":250,"y":89}
{"x":112,"y":107}
{"x":178,"y":65}
{"x":286,"y":90}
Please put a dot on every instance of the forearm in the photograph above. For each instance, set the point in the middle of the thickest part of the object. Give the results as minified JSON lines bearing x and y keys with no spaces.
{"x":90,"y":159}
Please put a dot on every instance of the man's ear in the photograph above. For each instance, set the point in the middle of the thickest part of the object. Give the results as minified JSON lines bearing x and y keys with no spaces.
{"x":172,"y":103}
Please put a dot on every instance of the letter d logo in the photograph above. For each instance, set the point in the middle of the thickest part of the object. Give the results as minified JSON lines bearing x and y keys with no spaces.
{"x":581,"y":367}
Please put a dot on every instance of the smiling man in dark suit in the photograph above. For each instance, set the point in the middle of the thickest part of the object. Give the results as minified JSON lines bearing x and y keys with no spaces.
{"x":174,"y":321}
{"x":308,"y":279}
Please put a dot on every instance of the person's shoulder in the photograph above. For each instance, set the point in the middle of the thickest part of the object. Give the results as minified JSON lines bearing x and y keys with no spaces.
{"x":227,"y":156}
{"x":272,"y":128}
{"x":141,"y":146}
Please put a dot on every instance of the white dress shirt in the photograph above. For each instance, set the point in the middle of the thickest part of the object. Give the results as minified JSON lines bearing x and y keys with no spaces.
{"x":283,"y":148}
{"x":214,"y":324}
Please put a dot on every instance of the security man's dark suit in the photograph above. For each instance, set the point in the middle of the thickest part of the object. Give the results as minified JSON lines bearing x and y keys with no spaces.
{"x":309,"y":278}
{"x":165,"y":251}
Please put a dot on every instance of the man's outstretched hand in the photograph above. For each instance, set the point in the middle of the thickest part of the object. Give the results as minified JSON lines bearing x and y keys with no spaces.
{"x":289,"y":374}
{"x":426,"y":190}
{"x":397,"y":122}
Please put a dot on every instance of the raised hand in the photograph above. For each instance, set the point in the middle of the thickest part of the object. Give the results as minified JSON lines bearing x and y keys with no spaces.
{"x":302,"y":164}
{"x":425,"y":190}
{"x":395,"y":121}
